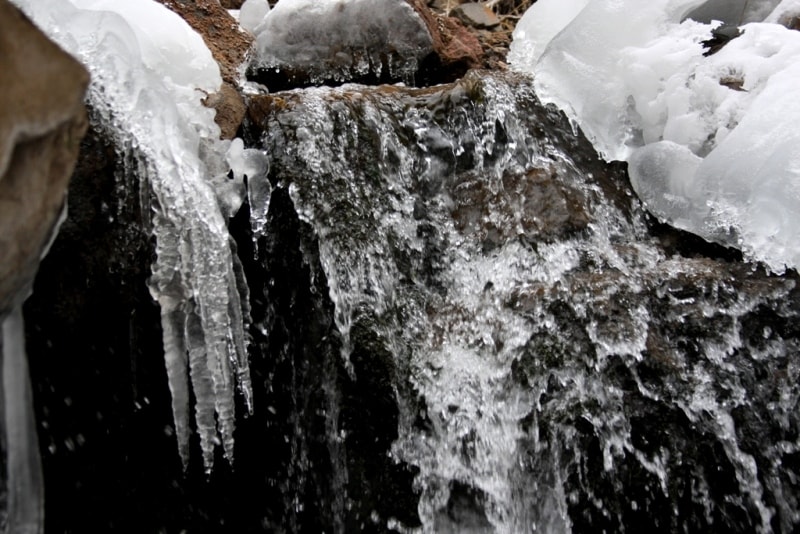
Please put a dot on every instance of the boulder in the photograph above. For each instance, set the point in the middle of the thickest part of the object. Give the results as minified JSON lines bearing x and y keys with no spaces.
{"x":305,"y":43}
{"x":40,"y":130}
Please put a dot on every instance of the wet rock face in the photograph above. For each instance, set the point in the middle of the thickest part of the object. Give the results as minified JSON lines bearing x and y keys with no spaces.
{"x":39,"y":134}
{"x":664,"y":439}
{"x":556,"y":359}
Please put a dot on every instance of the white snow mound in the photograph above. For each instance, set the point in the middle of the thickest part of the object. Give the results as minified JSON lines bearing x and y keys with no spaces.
{"x":712,"y":140}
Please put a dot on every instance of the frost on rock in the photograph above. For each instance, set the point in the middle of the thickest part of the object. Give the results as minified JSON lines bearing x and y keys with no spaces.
{"x":338,"y":40}
{"x":711,"y":138}
{"x":149,"y":72}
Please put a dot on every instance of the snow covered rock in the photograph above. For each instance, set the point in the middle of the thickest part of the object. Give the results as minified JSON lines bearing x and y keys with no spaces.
{"x":302,"y":42}
{"x":711,"y":139}
{"x":229,"y":47}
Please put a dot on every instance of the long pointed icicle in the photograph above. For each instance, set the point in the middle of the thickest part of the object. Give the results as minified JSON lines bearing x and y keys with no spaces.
{"x":203,"y":386}
{"x":239,"y":311}
{"x":176,"y":360}
{"x":169,"y":142}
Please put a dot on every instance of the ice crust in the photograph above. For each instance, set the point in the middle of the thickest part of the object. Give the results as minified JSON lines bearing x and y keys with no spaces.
{"x":711,"y":140}
{"x":340,"y":40}
{"x":150,"y":71}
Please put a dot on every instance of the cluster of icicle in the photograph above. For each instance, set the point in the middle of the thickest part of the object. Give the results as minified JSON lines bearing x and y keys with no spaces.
{"x":149,"y":72}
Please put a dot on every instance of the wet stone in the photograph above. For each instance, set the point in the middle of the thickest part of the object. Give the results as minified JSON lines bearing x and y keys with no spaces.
{"x":476,"y":14}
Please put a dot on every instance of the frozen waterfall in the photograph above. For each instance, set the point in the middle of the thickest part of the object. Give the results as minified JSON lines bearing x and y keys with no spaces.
{"x":149,"y":73}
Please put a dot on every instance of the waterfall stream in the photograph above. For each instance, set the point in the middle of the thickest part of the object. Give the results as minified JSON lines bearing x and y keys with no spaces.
{"x":558,"y":369}
{"x":433,"y":310}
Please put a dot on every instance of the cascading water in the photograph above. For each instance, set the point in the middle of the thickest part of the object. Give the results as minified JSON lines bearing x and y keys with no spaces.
{"x":543,"y":335}
{"x":529,"y":347}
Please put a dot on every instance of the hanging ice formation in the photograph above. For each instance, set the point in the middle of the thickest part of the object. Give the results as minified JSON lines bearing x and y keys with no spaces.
{"x":149,"y":72}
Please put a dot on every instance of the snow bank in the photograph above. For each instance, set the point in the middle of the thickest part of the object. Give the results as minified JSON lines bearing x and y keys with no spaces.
{"x":150,"y":71}
{"x":712,"y":140}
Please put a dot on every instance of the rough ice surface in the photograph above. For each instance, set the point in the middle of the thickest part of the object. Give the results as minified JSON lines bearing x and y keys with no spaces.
{"x":342,"y":39}
{"x":150,"y":71}
{"x":720,"y":155}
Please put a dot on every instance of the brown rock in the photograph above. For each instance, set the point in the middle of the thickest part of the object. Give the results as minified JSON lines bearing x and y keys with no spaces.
{"x":220,"y":31}
{"x":231,"y":4}
{"x":40,"y":132}
{"x":230,"y":109}
{"x":456,"y":48}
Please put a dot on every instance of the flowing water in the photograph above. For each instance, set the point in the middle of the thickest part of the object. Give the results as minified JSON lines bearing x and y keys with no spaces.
{"x":462,"y":321}
{"x":558,"y":367}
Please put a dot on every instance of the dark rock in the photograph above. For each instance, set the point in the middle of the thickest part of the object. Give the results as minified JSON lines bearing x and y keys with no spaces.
{"x":720,"y":36}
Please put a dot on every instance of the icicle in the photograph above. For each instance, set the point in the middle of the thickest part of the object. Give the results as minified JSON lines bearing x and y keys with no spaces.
{"x":176,"y":361}
{"x":252,"y":165}
{"x":203,"y":386}
{"x":146,"y":90}
{"x":239,"y":311}
{"x":24,"y":469}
